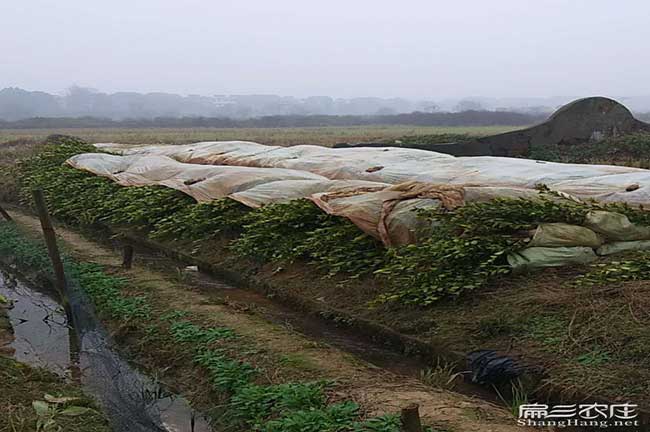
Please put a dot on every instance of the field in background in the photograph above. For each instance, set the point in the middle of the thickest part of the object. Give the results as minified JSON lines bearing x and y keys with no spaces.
{"x":275,"y":136}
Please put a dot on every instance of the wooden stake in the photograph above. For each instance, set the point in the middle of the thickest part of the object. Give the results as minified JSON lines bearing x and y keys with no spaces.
{"x":411,"y":418}
{"x":50,"y":241}
{"x":127,"y":256}
{"x":5,"y":215}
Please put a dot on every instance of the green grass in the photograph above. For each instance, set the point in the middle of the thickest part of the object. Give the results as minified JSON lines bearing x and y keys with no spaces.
{"x":298,"y":361}
{"x":24,"y":387}
{"x":272,"y":408}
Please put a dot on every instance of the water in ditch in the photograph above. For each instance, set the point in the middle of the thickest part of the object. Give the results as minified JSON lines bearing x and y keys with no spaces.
{"x":314,"y":327}
{"x":78,"y":348}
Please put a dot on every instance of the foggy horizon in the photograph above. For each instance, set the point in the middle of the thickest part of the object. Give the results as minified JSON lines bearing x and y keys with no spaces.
{"x":470,"y":97}
{"x":419,"y":50}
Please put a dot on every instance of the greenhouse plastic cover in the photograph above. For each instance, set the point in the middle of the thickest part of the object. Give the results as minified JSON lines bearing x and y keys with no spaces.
{"x":382,"y":210}
{"x":561,"y":234}
{"x":376,"y":188}
{"x":394,"y":165}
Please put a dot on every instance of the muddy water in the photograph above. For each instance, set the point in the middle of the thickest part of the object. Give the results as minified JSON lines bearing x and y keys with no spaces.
{"x":42,"y":336}
{"x":79,"y":349}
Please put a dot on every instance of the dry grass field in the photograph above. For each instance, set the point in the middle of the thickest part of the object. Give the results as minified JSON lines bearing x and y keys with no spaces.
{"x":275,"y":136}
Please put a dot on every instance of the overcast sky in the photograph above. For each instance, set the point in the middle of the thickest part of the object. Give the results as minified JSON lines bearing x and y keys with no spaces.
{"x":409,"y":48}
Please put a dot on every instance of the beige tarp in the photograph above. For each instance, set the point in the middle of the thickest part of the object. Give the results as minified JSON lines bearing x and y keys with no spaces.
{"x":397,"y":165}
{"x":380,"y":189}
{"x":561,"y":234}
{"x":626,"y":246}
{"x":541,"y":257}
{"x":382,"y":210}
{"x":381,"y":214}
{"x":202,"y":182}
{"x":615,"y":226}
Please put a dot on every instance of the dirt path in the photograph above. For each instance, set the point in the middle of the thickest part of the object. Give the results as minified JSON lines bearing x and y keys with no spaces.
{"x":377,"y":390}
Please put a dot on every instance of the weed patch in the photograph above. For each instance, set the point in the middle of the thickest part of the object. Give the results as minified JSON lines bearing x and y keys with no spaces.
{"x":629,"y":150}
{"x":618,"y":271}
{"x":271,"y":408}
{"x":34,"y":399}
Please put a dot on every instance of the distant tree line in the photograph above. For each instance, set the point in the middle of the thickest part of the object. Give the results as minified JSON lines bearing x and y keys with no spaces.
{"x":19,"y":104}
{"x":465,"y":118}
{"x":82,"y":107}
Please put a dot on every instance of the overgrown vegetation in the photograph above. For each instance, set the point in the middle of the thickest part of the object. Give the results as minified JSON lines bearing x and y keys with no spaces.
{"x":10,"y":152}
{"x":203,"y":221}
{"x":628,"y":150}
{"x":36,"y":400}
{"x":466,"y":250}
{"x":250,"y":404}
{"x":299,"y":229}
{"x":468,"y":247}
{"x":618,"y":271}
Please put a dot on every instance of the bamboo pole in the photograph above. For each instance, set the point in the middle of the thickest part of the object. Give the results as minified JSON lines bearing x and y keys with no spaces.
{"x":50,"y":241}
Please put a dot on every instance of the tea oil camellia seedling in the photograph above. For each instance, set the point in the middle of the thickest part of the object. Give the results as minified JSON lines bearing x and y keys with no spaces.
{"x":465,"y":249}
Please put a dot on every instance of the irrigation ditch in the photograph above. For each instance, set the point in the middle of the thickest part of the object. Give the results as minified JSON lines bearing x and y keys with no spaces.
{"x":384,"y":348}
{"x":398,"y":394}
{"x":82,"y":351}
{"x":370,"y":340}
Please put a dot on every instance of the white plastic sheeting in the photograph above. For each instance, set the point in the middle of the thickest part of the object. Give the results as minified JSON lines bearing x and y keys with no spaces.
{"x":382,"y":164}
{"x":202,"y":182}
{"x":380,"y":189}
{"x":382,"y":210}
{"x":287,"y":190}
{"x":396,"y":165}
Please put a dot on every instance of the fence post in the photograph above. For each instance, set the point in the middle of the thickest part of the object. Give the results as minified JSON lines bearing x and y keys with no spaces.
{"x":410,"y":417}
{"x":5,"y":215}
{"x":50,"y":241}
{"x":127,"y":256}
